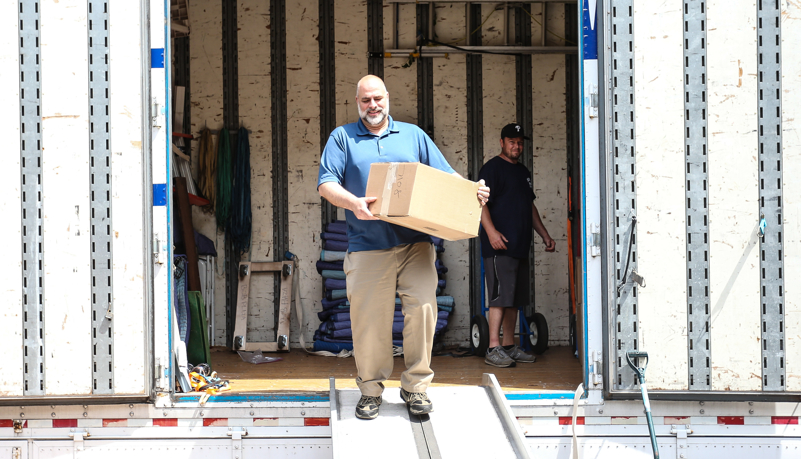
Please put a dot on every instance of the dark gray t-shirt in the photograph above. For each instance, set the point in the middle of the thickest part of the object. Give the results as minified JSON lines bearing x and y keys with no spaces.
{"x":511,"y":195}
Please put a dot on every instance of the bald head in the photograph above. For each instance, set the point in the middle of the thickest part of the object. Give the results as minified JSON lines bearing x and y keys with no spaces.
{"x":370,"y":82}
{"x":372,"y":101}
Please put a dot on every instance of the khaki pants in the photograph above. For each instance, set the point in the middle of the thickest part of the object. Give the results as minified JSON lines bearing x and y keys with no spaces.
{"x":372,"y":279}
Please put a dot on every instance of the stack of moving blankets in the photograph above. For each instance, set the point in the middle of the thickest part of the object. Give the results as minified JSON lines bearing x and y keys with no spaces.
{"x":334,"y":333}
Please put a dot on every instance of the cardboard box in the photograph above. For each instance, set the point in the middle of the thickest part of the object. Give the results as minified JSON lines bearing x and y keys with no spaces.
{"x":424,"y":199}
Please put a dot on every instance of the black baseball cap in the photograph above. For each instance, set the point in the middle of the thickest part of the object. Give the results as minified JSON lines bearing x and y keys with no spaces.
{"x":513,"y":131}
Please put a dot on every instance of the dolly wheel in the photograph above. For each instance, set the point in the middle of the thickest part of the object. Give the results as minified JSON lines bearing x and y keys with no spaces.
{"x":539,"y":333}
{"x":479,"y":335}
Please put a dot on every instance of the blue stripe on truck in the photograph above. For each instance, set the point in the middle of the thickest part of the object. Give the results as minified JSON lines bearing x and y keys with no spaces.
{"x":306,"y":397}
{"x":159,"y":194}
{"x":157,"y":58}
{"x":541,"y":396}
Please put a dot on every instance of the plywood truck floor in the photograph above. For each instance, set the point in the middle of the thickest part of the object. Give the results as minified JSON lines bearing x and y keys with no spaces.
{"x":557,"y":369}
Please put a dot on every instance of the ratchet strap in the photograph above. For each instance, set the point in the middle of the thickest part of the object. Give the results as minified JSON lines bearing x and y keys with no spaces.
{"x":576,"y":398}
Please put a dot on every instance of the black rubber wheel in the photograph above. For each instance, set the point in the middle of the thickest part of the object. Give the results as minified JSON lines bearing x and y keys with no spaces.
{"x":479,"y":335}
{"x":539,"y":333}
{"x":573,"y":332}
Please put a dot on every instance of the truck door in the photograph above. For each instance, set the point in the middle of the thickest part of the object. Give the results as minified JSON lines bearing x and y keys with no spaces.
{"x":74,"y":195}
{"x":701,"y":214}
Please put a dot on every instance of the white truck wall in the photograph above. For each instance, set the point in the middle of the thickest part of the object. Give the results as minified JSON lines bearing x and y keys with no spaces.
{"x":10,"y":190}
{"x":125,"y":107}
{"x":733,"y":162}
{"x":450,"y":135}
{"x":304,"y":145}
{"x":660,"y":162}
{"x":401,"y":82}
{"x":733,"y":198}
{"x":549,"y":174}
{"x":791,"y":138}
{"x":65,"y":171}
{"x":68,"y":222}
{"x":254,"y":114}
{"x":205,"y":57}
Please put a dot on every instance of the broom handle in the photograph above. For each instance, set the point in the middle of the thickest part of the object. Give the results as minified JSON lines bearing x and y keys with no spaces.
{"x":647,"y":404}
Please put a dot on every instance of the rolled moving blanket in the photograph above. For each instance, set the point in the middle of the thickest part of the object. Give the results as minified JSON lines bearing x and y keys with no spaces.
{"x":338,"y":246}
{"x":331,"y":255}
{"x":345,"y":316}
{"x":332,"y":347}
{"x":341,"y":334}
{"x":335,"y":284}
{"x":441,"y":269}
{"x":330,"y":304}
{"x":325,"y":327}
{"x":336,"y":294}
{"x":441,"y":301}
{"x":333,"y":274}
{"x":330,"y":339}
{"x":329,"y":265}
{"x":326,"y":314}
{"x":345,"y":333}
{"x":445,"y":300}
{"x":334,"y":237}
{"x":341,"y":317}
{"x":339,"y":226}
{"x":396,"y":342}
{"x":441,"y":283}
{"x":397,"y":324}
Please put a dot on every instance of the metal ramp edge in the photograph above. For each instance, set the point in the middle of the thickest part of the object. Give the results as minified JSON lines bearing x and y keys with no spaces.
{"x":468,"y":421}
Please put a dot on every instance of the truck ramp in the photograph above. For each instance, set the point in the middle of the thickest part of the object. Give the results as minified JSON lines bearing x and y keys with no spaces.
{"x":471,"y":421}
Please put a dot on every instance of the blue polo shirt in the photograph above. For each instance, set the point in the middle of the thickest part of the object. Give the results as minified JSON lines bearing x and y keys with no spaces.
{"x":346,"y":160}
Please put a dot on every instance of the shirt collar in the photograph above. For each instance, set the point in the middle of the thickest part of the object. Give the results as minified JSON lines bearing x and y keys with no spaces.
{"x":391,"y":127}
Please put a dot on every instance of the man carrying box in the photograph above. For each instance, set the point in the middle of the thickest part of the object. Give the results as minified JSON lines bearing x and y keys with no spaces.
{"x":506,"y":223}
{"x":384,"y":258}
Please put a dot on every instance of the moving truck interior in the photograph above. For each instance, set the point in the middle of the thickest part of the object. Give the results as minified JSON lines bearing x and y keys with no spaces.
{"x":461,"y":72}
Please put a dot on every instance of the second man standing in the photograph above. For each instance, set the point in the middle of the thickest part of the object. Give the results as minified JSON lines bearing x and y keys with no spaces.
{"x":506,"y":224}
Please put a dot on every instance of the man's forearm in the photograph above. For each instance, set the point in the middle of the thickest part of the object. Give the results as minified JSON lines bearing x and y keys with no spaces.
{"x":539,"y":227}
{"x":337,"y":195}
{"x":486,"y":220}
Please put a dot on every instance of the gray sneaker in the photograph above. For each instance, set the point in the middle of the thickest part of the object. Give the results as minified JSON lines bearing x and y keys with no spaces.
{"x":497,"y":357}
{"x":518,"y":355}
{"x":418,"y":402}
{"x":367,"y":408}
